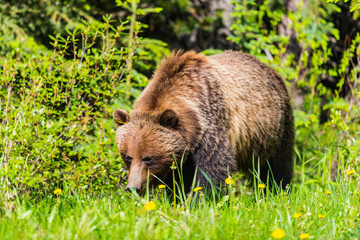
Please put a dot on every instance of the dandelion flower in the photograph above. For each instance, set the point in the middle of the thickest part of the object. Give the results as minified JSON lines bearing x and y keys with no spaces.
{"x":304,"y":236}
{"x":328,"y":192}
{"x":234,"y":208}
{"x":229,"y":181}
{"x":297,"y":215}
{"x":261,"y":186}
{"x":173,"y":166}
{"x":197,"y":189}
{"x":150,"y":206}
{"x":321,"y":216}
{"x":161,"y":186}
{"x":278,"y":233}
{"x":350,"y":172}
{"x":57,"y":191}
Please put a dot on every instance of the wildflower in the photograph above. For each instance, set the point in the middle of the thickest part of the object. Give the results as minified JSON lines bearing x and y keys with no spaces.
{"x":229,"y":181}
{"x":150,"y":206}
{"x":328,"y":192}
{"x":304,"y":236}
{"x":297,"y":215}
{"x":197,"y":189}
{"x":321,"y":216}
{"x":57,"y":191}
{"x":261,"y":186}
{"x":278,"y":233}
{"x":161,"y":186}
{"x":350,"y":172}
{"x":234,"y":208}
{"x":173,"y":166}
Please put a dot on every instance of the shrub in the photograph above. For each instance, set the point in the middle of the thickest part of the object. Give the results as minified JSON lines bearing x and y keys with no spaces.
{"x":56,"y":106}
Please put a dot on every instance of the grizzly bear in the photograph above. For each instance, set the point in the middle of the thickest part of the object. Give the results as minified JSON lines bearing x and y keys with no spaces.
{"x":216,"y":114}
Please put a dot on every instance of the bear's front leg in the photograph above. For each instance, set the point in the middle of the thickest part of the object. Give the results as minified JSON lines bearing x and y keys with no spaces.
{"x":215,"y":158}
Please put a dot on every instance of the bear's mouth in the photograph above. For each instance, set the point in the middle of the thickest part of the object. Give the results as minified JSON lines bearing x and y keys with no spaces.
{"x":152,"y":183}
{"x":141,"y":190}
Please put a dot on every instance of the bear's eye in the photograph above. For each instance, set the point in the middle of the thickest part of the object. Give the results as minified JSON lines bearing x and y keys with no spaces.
{"x":127,"y":158}
{"x":148,"y":159}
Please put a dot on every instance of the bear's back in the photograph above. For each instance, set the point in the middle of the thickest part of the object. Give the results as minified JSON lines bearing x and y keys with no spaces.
{"x":256,"y":98}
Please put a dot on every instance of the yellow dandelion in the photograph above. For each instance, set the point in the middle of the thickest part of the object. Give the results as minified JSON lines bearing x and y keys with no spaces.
{"x":297,"y":215}
{"x":321,"y":216}
{"x":197,"y":189}
{"x":304,"y":236}
{"x":234,"y":208}
{"x":350,"y":172}
{"x":261,"y":186}
{"x":229,"y":181}
{"x":161,"y":186}
{"x":150,"y":206}
{"x":57,"y":191}
{"x":328,"y":192}
{"x":278,"y":233}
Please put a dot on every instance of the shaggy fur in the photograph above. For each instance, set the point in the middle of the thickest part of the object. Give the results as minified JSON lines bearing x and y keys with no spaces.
{"x":225,"y":112}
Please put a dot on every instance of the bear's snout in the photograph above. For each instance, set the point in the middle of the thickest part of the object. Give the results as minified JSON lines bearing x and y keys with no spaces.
{"x":136,"y":177}
{"x":132,"y":189}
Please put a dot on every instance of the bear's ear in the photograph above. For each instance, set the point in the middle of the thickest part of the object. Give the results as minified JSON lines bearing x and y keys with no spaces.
{"x":169,"y":119}
{"x":120,"y":117}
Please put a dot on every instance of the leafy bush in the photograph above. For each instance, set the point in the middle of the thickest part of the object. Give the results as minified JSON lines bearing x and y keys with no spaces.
{"x":56,"y":105}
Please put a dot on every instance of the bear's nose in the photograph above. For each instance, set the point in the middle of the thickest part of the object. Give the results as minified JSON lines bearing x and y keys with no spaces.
{"x":133,"y":189}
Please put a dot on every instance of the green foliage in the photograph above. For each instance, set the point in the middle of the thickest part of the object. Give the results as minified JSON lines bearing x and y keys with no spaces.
{"x":50,"y":106}
{"x":253,"y":35}
{"x":354,"y":7}
{"x":26,"y":23}
{"x":249,"y":30}
{"x":56,"y":105}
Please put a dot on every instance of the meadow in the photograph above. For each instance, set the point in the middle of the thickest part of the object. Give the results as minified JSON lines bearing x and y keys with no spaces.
{"x":65,"y":67}
{"x":313,"y":210}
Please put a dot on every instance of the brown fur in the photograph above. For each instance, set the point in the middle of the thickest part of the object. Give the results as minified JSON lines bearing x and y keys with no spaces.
{"x":223,"y":111}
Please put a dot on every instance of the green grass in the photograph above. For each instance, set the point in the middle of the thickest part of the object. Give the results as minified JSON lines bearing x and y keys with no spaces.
{"x":247,"y":214}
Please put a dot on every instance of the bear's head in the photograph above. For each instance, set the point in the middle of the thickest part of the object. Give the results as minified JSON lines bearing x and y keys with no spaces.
{"x":148,"y":144}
